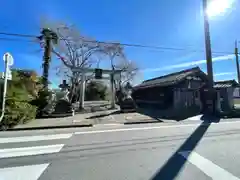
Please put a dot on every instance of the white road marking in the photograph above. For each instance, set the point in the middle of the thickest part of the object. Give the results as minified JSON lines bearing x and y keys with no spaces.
{"x":34,"y":138}
{"x":109,"y":124}
{"x":195,"y":118}
{"x":155,"y":127}
{"x":128,"y":117}
{"x":128,"y":129}
{"x":32,"y":172}
{"x":28,"y":151}
{"x":208,"y":167}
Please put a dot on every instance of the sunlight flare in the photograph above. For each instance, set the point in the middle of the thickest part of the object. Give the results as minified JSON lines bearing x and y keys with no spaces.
{"x":218,"y":7}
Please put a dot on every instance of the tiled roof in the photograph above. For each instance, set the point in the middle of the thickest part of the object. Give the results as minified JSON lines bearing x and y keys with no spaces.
{"x":226,"y":84}
{"x":169,"y":79}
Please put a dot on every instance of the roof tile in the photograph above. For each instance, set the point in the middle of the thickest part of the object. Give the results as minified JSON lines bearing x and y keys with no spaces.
{"x":226,"y":84}
{"x":169,"y":79}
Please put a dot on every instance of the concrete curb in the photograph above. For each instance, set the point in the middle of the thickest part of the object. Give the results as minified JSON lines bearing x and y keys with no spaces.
{"x":50,"y":127}
{"x":130,"y":123}
{"x":76,"y":126}
{"x":142,"y":122}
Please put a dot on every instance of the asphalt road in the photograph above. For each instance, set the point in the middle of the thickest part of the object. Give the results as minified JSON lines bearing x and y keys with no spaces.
{"x":158,"y":151}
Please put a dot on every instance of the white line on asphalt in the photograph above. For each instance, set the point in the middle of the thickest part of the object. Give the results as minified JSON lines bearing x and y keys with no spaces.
{"x":31,"y":172}
{"x":208,"y":167}
{"x":127,"y":129}
{"x":195,"y":118}
{"x":109,"y":124}
{"x":34,"y":138}
{"x":155,"y":127}
{"x":29,"y":151}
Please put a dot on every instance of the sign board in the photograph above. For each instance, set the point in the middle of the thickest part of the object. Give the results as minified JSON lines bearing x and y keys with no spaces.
{"x":9,"y":75}
{"x":8,"y":57}
{"x":98,"y":73}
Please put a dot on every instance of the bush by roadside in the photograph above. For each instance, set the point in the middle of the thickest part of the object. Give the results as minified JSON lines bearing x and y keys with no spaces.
{"x":40,"y":102}
{"x":21,"y":90}
{"x":18,"y":113}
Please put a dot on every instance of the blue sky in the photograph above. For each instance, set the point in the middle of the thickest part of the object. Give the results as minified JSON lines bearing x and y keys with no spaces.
{"x":165,"y":23}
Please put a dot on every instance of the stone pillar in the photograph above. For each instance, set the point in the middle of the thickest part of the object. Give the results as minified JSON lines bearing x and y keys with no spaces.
{"x":82,"y":91}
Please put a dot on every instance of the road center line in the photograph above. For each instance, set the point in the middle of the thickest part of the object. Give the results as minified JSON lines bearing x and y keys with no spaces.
{"x":155,"y":127}
{"x":208,"y":167}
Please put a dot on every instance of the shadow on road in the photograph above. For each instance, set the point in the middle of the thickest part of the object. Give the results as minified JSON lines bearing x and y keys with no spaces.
{"x":155,"y":114}
{"x":168,"y":114}
{"x":173,"y":166}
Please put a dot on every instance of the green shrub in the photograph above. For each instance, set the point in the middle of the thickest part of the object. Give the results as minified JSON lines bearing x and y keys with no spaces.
{"x":18,"y":112}
{"x":17,"y":108}
{"x":95,"y":91}
{"x":40,"y":102}
{"x":63,"y":106}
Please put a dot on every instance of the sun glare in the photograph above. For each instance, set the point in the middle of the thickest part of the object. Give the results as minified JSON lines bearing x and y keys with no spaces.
{"x":218,"y":7}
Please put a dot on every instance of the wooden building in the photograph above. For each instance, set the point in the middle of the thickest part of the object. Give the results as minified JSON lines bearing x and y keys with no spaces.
{"x":185,"y":92}
{"x":173,"y":93}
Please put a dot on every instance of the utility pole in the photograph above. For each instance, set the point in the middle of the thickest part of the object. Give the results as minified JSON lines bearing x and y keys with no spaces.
{"x":48,"y":36}
{"x":213,"y":96}
{"x":46,"y":61}
{"x":208,"y":45}
{"x":237,"y":62}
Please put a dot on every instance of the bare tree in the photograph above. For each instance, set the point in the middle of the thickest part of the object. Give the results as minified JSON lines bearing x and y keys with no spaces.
{"x":74,"y":50}
{"x":118,"y":61}
{"x":78,"y":51}
{"x":129,"y":71}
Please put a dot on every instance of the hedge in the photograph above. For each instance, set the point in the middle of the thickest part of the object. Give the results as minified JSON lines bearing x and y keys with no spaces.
{"x":18,"y":113}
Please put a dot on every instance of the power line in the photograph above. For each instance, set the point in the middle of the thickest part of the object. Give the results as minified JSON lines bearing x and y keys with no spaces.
{"x":19,"y":35}
{"x":153,"y":47}
{"x":161,"y":47}
{"x":17,"y":40}
{"x":122,"y":44}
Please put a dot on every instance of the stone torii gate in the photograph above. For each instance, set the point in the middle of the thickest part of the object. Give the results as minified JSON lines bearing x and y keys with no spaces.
{"x":98,"y":75}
